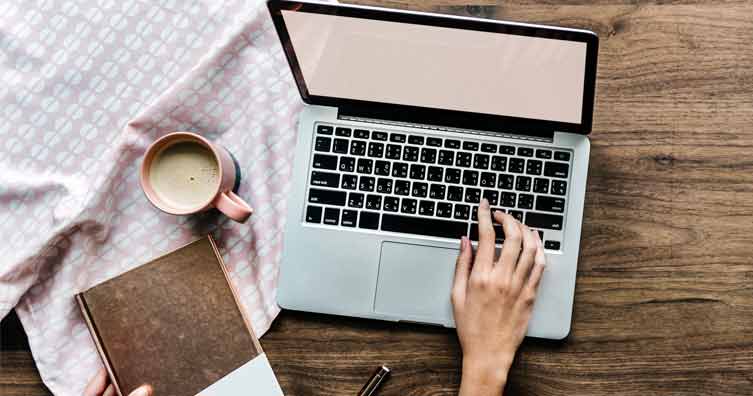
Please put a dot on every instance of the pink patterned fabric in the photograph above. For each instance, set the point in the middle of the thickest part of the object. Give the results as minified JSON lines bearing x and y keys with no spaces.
{"x":85,"y":87}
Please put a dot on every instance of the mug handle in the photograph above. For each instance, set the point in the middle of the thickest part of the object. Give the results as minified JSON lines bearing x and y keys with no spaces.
{"x":233,"y":206}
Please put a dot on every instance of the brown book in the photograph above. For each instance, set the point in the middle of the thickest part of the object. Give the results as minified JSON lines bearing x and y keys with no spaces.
{"x":173,"y":323}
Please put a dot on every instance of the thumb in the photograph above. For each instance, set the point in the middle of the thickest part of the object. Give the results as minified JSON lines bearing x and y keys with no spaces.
{"x":143,"y":390}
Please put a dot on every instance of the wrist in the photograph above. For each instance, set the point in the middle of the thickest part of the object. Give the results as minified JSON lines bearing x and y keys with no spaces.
{"x":486,"y":374}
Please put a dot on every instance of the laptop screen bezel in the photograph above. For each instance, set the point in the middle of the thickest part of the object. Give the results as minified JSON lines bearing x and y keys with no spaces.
{"x":434,"y":116}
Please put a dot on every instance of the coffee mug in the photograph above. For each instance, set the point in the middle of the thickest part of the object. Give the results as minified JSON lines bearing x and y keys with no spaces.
{"x":184,"y":173}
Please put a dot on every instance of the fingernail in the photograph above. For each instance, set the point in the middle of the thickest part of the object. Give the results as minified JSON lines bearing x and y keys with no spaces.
{"x":463,"y":243}
{"x":143,"y":390}
{"x":484,"y":202}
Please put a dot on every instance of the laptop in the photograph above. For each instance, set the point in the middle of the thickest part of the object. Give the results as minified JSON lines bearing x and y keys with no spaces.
{"x":411,"y":119}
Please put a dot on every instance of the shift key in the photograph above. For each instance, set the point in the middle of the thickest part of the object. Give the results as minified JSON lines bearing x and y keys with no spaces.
{"x":325,"y":179}
{"x":327,"y":197}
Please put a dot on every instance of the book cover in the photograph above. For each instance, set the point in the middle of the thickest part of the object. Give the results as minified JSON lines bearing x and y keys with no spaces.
{"x":174,"y":323}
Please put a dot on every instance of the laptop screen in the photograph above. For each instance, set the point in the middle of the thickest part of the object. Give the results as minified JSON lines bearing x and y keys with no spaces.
{"x":439,"y":67}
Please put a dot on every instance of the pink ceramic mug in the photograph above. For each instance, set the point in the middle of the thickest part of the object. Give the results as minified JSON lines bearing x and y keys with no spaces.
{"x":184,"y":173}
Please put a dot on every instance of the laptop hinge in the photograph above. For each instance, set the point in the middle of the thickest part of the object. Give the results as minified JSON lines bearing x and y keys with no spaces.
{"x":540,"y":137}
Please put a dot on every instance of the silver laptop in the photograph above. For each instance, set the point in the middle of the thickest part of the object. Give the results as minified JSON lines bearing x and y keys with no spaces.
{"x":410,"y":120}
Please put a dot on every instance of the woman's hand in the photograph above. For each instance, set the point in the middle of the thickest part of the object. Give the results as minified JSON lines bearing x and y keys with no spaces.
{"x":101,"y":386}
{"x":493,"y":298}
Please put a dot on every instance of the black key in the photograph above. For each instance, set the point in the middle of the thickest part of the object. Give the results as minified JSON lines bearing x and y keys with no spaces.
{"x":499,"y":163}
{"x":376,"y":150}
{"x":376,"y":135}
{"x":437,"y":191}
{"x":470,"y":146}
{"x":402,"y":187}
{"x":384,"y":186}
{"x":324,"y":129}
{"x":559,"y":187}
{"x":342,"y":131}
{"x":331,"y":216}
{"x":488,"y":179}
{"x":552,"y":245}
{"x":474,"y":213}
{"x":470,"y":177}
{"x":366,"y":183}
{"x":455,"y":193}
{"x":434,"y":142}
{"x":349,"y":182}
{"x":397,"y":138}
{"x":323,"y":143}
{"x":391,"y":204}
{"x":499,"y":233}
{"x":525,"y":201}
{"x":393,"y":151}
{"x":418,"y":140}
{"x":444,"y":209}
{"x":452,"y":143}
{"x":556,"y":169}
{"x":517,"y":165}
{"x":369,"y":220}
{"x":424,"y":226}
{"x":373,"y":202}
{"x":355,"y":200}
{"x":361,"y":134}
{"x":417,"y":172}
{"x":434,"y":173}
{"x":481,"y":161}
{"x":533,"y":167}
{"x":365,"y":165}
{"x":462,"y":212}
{"x":523,"y":183}
{"x":347,"y":164}
{"x":400,"y":169}
{"x":550,"y":204}
{"x":322,"y":161}
{"x":545,"y":154}
{"x":518,"y":215}
{"x":492,"y":196}
{"x":314,"y":213}
{"x":452,"y":175}
{"x":349,"y":218}
{"x":505,"y":182}
{"x":408,"y":205}
{"x":489,"y":148}
{"x":327,"y":197}
{"x":446,"y":157}
{"x":542,"y":220}
{"x":525,"y":151}
{"x":357,"y":147}
{"x":541,"y":186}
{"x":507,"y":199}
{"x":341,"y":146}
{"x":509,"y":150}
{"x":325,"y":179}
{"x":410,"y":153}
{"x":420,"y":189}
{"x":426,"y":208}
{"x":463,"y":159}
{"x":428,"y":155}
{"x":562,"y":156}
{"x":472,"y":195}
{"x":382,"y":168}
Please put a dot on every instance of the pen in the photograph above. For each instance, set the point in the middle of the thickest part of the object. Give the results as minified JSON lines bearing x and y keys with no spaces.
{"x":379,"y":376}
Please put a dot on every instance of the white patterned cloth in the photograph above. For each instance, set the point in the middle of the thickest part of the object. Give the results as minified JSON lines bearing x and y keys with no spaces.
{"x":86,"y":86}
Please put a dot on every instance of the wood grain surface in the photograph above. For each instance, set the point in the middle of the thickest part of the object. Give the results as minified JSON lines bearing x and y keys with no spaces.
{"x":664,"y":296}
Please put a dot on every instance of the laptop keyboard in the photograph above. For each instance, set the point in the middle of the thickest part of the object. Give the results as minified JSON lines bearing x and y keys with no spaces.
{"x":427,"y":185}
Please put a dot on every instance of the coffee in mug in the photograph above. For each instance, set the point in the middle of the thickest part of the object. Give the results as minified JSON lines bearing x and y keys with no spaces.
{"x":184,"y":173}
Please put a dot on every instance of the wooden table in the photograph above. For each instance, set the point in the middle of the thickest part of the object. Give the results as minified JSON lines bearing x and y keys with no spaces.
{"x":664,"y":299}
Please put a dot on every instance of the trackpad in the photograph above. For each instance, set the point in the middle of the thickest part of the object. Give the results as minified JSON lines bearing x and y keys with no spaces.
{"x":414,"y":282}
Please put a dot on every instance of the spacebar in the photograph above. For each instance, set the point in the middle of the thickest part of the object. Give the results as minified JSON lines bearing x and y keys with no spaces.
{"x":424,"y":226}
